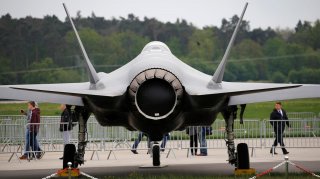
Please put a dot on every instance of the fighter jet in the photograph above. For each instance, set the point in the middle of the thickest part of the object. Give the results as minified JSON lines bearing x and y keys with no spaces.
{"x":157,"y":93}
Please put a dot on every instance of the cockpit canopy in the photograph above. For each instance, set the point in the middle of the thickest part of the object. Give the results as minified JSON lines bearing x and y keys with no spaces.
{"x":156,"y":46}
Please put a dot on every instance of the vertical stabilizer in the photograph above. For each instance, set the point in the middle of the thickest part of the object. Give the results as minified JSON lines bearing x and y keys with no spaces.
{"x":92,"y":72}
{"x":218,"y":75}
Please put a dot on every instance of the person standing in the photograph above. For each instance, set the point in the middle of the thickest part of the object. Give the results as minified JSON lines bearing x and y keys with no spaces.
{"x":205,"y":130}
{"x":165,"y":139}
{"x":192,"y":131}
{"x":140,"y":136}
{"x":137,"y":141}
{"x":65,"y":124}
{"x":279,"y":120}
{"x":27,"y":145}
{"x":32,"y":131}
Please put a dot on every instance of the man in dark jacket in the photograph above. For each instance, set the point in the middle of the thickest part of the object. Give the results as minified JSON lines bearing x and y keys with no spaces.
{"x":65,"y":123}
{"x":279,"y":120}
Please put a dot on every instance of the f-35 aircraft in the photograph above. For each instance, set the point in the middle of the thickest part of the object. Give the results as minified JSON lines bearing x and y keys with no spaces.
{"x":157,"y":93}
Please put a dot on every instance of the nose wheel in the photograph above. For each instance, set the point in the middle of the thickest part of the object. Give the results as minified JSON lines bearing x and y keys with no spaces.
{"x":156,"y":154}
{"x":69,"y":155}
{"x":243,"y":161}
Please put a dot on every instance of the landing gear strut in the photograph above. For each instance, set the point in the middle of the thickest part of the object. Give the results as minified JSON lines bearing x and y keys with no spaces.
{"x":154,"y":152}
{"x":82,"y":115}
{"x":239,"y":159}
{"x":229,"y":115}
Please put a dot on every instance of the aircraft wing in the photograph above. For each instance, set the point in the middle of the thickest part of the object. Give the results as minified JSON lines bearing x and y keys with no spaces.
{"x":71,"y":89}
{"x":17,"y":94}
{"x":64,"y":93}
{"x":304,"y":91}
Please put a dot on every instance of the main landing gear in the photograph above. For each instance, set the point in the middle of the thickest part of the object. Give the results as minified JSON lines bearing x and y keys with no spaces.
{"x":82,"y":115}
{"x":239,"y":158}
{"x":70,"y":154}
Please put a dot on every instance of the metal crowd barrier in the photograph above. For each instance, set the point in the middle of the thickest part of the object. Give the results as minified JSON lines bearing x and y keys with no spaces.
{"x":304,"y":133}
{"x":301,"y":115}
{"x":300,"y":134}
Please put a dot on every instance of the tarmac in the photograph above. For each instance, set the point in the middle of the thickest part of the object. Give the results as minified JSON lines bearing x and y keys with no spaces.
{"x":124,"y":163}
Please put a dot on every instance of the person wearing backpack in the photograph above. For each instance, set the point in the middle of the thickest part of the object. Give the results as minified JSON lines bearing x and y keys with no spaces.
{"x":65,"y":124}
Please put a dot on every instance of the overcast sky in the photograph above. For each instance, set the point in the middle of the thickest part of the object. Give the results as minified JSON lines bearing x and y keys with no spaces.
{"x":260,"y":13}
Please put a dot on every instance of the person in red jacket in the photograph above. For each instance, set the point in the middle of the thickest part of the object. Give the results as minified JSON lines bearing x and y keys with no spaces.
{"x":32,"y":131}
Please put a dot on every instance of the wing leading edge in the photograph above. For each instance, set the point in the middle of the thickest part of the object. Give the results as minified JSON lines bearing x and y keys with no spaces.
{"x":16,"y":94}
{"x":304,"y":91}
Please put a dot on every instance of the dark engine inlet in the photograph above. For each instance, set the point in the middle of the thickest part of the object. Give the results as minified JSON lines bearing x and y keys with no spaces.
{"x":155,"y":93}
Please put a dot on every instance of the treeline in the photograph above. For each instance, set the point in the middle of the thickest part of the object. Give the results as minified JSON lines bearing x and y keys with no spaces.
{"x":45,"y":50}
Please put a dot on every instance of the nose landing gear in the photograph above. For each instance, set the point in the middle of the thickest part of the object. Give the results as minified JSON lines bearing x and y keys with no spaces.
{"x":154,"y":152}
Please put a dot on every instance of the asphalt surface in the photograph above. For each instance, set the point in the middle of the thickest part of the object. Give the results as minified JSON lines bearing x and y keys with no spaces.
{"x":213,"y":169}
{"x":124,"y":164}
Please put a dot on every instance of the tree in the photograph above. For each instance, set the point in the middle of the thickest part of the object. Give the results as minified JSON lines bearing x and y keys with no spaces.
{"x":307,"y":35}
{"x":278,"y":77}
{"x":46,"y":72}
{"x":203,"y":45}
{"x":123,"y":46}
{"x":227,"y":28}
{"x":261,"y":36}
{"x":274,"y":51}
{"x":242,"y":66}
{"x":6,"y":76}
{"x":306,"y":75}
{"x":258,"y":54}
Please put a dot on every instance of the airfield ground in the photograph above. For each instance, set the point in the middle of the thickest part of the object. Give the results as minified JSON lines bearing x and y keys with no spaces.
{"x":127,"y":164}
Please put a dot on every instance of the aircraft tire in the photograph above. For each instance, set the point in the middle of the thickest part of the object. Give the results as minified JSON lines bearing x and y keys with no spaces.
{"x":68,"y":155}
{"x":243,"y":156}
{"x":156,"y":155}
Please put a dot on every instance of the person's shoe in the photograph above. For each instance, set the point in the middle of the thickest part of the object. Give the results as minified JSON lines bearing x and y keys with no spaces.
{"x":275,"y":153}
{"x":23,"y":157}
{"x":284,"y":151}
{"x":202,"y":154}
{"x":40,"y":155}
{"x":134,"y":151}
{"x":61,"y":158}
{"x":162,"y":150}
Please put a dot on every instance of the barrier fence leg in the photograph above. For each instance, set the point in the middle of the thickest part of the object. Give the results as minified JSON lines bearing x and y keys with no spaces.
{"x":171,"y":151}
{"x":286,"y":158}
{"x":109,"y":154}
{"x":114,"y":155}
{"x":94,"y":152}
{"x":252,"y":151}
